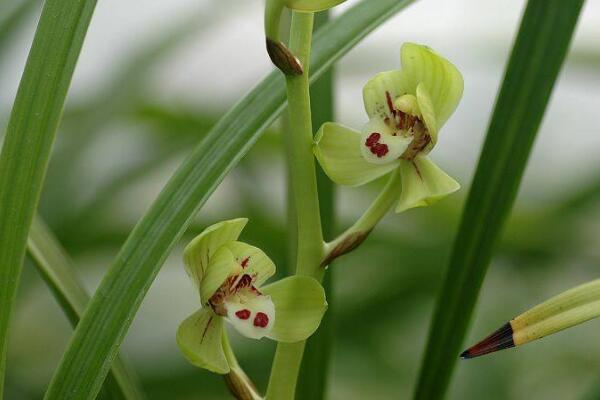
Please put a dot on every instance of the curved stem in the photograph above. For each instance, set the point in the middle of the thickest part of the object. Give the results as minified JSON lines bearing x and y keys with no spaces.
{"x":357,"y":233}
{"x":238,"y":382}
{"x":288,"y":357}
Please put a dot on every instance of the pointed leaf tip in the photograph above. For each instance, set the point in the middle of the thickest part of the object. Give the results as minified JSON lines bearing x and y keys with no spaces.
{"x":499,"y":340}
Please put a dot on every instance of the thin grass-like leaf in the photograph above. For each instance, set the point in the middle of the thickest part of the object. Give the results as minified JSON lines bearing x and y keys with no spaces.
{"x":119,"y":295}
{"x":55,"y":268}
{"x":29,"y":137}
{"x":314,"y":373}
{"x":538,"y":53}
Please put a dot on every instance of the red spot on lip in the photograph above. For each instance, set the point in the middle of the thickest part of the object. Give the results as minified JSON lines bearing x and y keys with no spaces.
{"x":245,"y":262}
{"x":243,"y":314}
{"x":379,"y":149}
{"x":261,"y":320}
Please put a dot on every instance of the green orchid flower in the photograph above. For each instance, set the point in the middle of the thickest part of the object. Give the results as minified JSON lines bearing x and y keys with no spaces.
{"x":229,"y":275}
{"x":279,"y":53}
{"x":406,"y":109}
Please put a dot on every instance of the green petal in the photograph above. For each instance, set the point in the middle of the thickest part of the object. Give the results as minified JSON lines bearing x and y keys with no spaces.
{"x":375,"y":92}
{"x":299,"y":307}
{"x":443,"y":81}
{"x":221,"y":266}
{"x":338,"y":150}
{"x":203,"y":246}
{"x":427,"y":112}
{"x":199,"y":339}
{"x":253,"y":261}
{"x":423,"y":183}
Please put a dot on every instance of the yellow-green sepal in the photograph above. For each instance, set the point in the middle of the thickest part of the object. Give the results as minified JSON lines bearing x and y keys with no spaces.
{"x":197,"y":253}
{"x":300,"y":304}
{"x":442,"y":79}
{"x":568,"y":309}
{"x":337,"y":149}
{"x":199,"y":338}
{"x":423,"y":183}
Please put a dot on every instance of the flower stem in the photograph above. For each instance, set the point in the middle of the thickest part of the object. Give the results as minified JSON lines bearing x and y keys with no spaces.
{"x":240,"y":386}
{"x":357,"y":233}
{"x":288,"y":357}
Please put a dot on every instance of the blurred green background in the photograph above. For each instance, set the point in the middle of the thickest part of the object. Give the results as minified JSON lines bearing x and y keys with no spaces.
{"x":152,"y":79}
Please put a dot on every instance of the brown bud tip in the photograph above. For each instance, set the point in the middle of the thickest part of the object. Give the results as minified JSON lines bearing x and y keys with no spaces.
{"x":283,"y":58}
{"x":499,"y":340}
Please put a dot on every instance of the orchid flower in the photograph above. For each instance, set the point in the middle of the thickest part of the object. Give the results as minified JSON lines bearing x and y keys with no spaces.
{"x":406,"y":109}
{"x":229,"y":275}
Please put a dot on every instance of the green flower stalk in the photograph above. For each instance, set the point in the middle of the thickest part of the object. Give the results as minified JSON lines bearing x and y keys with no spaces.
{"x":280,"y":54}
{"x":566,"y":310}
{"x":406,"y":110}
{"x":229,"y":275}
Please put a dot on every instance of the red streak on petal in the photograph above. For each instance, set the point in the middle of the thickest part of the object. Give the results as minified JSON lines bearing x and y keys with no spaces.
{"x":245,"y":281}
{"x":243,"y":314}
{"x":245,"y":262}
{"x":261,"y":320}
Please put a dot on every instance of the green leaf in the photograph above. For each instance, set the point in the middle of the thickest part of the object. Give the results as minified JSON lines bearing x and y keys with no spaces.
{"x":199,"y":339}
{"x":299,"y":306}
{"x":55,"y":267}
{"x":107,"y":318}
{"x":29,"y":137}
{"x":338,"y":150}
{"x":539,"y":51}
{"x":423,"y":183}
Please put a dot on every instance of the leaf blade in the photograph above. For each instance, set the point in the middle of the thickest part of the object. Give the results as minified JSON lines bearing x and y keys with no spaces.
{"x":538,"y":53}
{"x":55,"y":267}
{"x":30,"y":135}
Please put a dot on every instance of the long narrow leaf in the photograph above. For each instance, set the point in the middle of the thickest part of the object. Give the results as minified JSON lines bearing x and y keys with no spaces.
{"x":119,"y":295}
{"x":55,"y":268}
{"x":538,"y":53}
{"x":312,"y":382}
{"x":29,"y":137}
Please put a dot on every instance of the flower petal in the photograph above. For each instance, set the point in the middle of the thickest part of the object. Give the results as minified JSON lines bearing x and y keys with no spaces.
{"x":299,"y":307}
{"x":338,"y":150}
{"x":443,"y":81}
{"x":221,"y":266}
{"x":423,"y":183}
{"x":375,"y":135}
{"x":253,"y":261}
{"x":199,"y":339}
{"x":251,"y":314}
{"x":380,"y":92}
{"x":203,"y":246}
{"x":427,"y":112}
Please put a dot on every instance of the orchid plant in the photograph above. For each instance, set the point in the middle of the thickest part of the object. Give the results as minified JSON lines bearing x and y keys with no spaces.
{"x":406,"y":108}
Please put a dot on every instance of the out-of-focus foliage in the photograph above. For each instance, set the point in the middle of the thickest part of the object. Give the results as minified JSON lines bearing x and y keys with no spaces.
{"x":117,"y":147}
